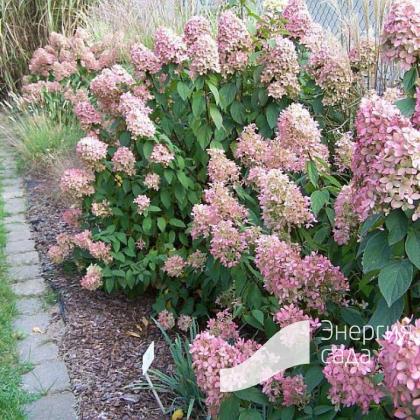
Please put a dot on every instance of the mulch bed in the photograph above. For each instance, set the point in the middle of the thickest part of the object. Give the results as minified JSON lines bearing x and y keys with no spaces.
{"x":101,"y":357}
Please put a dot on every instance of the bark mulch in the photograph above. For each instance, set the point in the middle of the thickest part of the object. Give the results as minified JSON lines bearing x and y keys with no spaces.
{"x":101,"y":356}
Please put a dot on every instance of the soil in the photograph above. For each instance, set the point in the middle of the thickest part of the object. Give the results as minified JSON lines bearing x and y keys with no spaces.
{"x":102,"y":355}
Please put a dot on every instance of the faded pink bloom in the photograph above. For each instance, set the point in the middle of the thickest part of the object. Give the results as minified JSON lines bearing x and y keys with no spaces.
{"x":289,"y":314}
{"x":152,"y":181}
{"x":344,"y":149}
{"x":166,"y":319}
{"x":142,"y":202}
{"x":87,"y":114}
{"x":351,"y":376}
{"x":161,"y":155}
{"x":197,"y":260}
{"x":77,"y":183}
{"x":298,"y":19}
{"x":102,"y":209}
{"x":220,"y":168}
{"x":346,"y":220}
{"x":184,"y":322}
{"x":195,"y":28}
{"x":286,"y":390}
{"x":169,"y":48}
{"x":72,"y":217}
{"x":204,"y":56}
{"x":251,"y":148}
{"x":223,"y":326}
{"x":92,"y":152}
{"x":174,"y":266}
{"x":145,"y":60}
{"x":124,"y":161}
{"x":93,"y":278}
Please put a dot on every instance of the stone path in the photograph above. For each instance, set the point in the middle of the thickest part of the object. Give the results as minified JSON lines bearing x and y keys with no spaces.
{"x":49,"y":378}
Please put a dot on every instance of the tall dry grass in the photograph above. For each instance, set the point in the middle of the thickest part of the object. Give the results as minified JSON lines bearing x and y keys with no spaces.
{"x":25,"y":25}
{"x":138,"y":20}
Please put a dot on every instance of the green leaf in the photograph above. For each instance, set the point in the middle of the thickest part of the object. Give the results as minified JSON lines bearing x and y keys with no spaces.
{"x":369,"y":223}
{"x":313,"y":377}
{"x":229,"y":409}
{"x":198,"y":104}
{"x":377,"y":253}
{"x":352,"y":316}
{"x":395,"y":279}
{"x":227,"y":94}
{"x":250,"y":414}
{"x":147,"y":224}
{"x":313,"y":174}
{"x":397,"y":224}
{"x":407,"y":106}
{"x":166,"y":199}
{"x":148,"y":148}
{"x":272,"y":113}
{"x":384,"y":316}
{"x":258,"y":315}
{"x":215,"y":92}
{"x":412,"y":247}
{"x":183,"y":90}
{"x":237,"y":111}
{"x":253,"y":395}
{"x":409,"y":79}
{"x":288,"y":413}
{"x":177,"y":223}
{"x":125,"y":138}
{"x":318,"y":200}
{"x":216,"y":116}
{"x":161,"y":222}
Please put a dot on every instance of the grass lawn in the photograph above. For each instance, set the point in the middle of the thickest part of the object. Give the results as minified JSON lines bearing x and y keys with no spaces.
{"x":12,"y":397}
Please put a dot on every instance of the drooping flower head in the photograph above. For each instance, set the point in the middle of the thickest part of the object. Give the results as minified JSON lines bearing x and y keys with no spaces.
{"x":346,"y":220}
{"x":169,"y":48}
{"x":144,"y":59}
{"x":220,"y":168}
{"x":77,"y":183}
{"x":166,"y":319}
{"x":195,"y":28}
{"x":124,"y":161}
{"x":92,"y":152}
{"x":204,"y":56}
{"x":299,"y":20}
{"x":93,"y":278}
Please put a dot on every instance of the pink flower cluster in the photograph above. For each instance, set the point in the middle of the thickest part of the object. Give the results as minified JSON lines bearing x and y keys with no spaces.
{"x":136,"y":115}
{"x":282,"y":203}
{"x":299,"y":21}
{"x":87,"y":114}
{"x":344,"y":149}
{"x":72,"y":217}
{"x":401,"y":33}
{"x":211,"y":352}
{"x":34,"y":92}
{"x":252,"y":149}
{"x":289,"y":314}
{"x":346,"y":220}
{"x":174,"y":266}
{"x":351,"y":376}
{"x":310,"y":280}
{"x":197,"y":260}
{"x":77,"y":183}
{"x":145,"y":60}
{"x":152,"y":181}
{"x":102,"y":209}
{"x":330,"y":66}
{"x":299,"y":135}
{"x":195,"y":28}
{"x":363,"y":56}
{"x":280,"y":68}
{"x":124,"y":161}
{"x":234,"y":43}
{"x":399,"y":356}
{"x":386,"y":159}
{"x":166,"y":319}
{"x":92,"y":280}
{"x":286,"y":390}
{"x":92,"y":152}
{"x":184,"y":322}
{"x":142,"y":202}
{"x":220,"y":168}
{"x":161,"y":155}
{"x":108,"y":85}
{"x":169,"y":48}
{"x":223,"y":326}
{"x":416,"y":116}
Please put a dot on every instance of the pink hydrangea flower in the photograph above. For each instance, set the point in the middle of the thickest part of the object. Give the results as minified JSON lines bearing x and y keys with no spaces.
{"x":400,"y":36}
{"x":286,"y":390}
{"x":100,"y":251}
{"x":34,"y":92}
{"x":197,"y":260}
{"x":223,"y":326}
{"x":161,"y":155}
{"x":166,"y":319}
{"x":92,"y":152}
{"x":87,"y":114}
{"x":351,"y":376}
{"x":346,"y":220}
{"x":344,"y":149}
{"x":184,"y":322}
{"x":169,"y":48}
{"x":124,"y":161}
{"x":144,"y":59}
{"x":77,"y":183}
{"x":251,"y":148}
{"x":174,"y":266}
{"x":195,"y":28}
{"x":280,"y":68}
{"x":298,"y":19}
{"x":234,"y":43}
{"x":204,"y":56}
{"x":102,"y":209}
{"x":289,"y":314}
{"x":220,"y":168}
{"x":93,"y":278}
{"x":399,"y":356}
{"x":152,"y":181}
{"x":142,"y":202}
{"x":72,"y":217}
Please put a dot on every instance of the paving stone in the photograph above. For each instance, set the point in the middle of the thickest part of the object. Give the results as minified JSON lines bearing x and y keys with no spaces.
{"x":11,"y":182}
{"x":29,"y":306}
{"x":26,"y":323}
{"x":53,"y":407}
{"x":15,"y":206}
{"x":29,"y":287}
{"x":18,"y":232}
{"x":26,"y":258}
{"x":49,"y":376}
{"x":12,"y":192}
{"x":15,"y":218}
{"x":24,"y":272}
{"x":34,"y":349}
{"x":20,"y":247}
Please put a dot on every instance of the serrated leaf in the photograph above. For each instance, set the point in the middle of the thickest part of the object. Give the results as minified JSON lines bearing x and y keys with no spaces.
{"x":229,"y":409}
{"x":272,"y":113}
{"x":177,"y":223}
{"x":407,"y":106}
{"x":237,"y":111}
{"x":412,"y":247}
{"x":313,"y":174}
{"x":384,"y":316}
{"x":198,"y":104}
{"x":409,"y":79}
{"x":395,"y":279}
{"x":183,"y":90}
{"x":318,"y":200}
{"x":216,"y":116}
{"x":253,"y":395}
{"x":161,"y":222}
{"x":227,"y":94}
{"x":397,"y":224}
{"x":377,"y":253}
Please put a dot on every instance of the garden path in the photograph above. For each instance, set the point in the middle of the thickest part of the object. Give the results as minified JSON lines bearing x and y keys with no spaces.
{"x":37,"y":321}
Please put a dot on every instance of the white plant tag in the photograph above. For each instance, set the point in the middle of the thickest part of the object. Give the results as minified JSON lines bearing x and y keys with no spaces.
{"x":148,"y":357}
